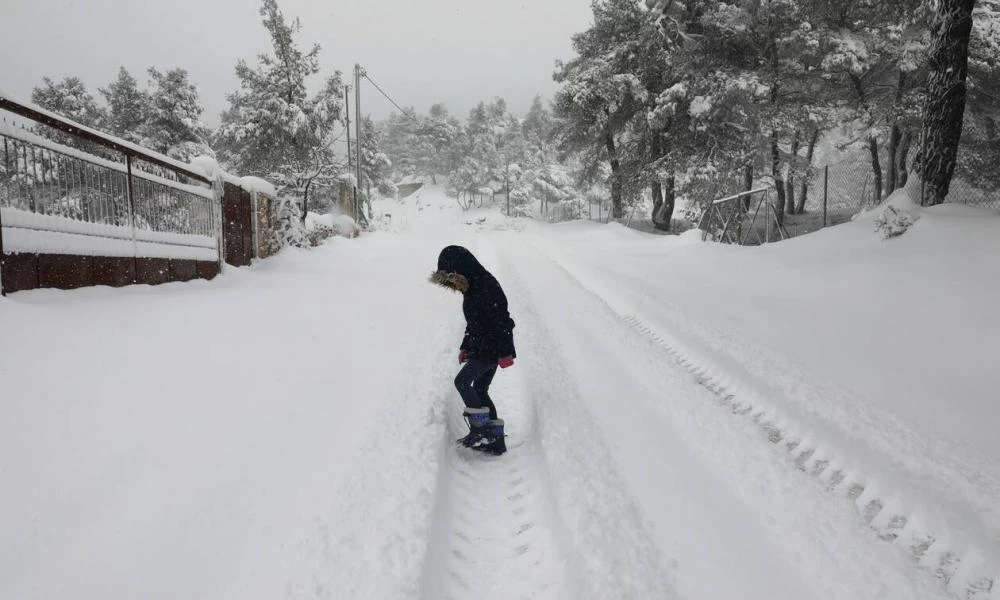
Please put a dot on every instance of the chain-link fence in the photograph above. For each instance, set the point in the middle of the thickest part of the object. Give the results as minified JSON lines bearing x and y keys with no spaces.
{"x":835,"y":192}
{"x":851,"y":186}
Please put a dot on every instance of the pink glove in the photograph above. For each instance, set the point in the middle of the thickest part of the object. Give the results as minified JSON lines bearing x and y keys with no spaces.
{"x":463,"y":357}
{"x":505,"y":362}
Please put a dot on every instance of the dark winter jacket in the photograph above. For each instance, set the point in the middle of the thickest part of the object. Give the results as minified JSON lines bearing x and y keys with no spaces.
{"x":489,"y":330}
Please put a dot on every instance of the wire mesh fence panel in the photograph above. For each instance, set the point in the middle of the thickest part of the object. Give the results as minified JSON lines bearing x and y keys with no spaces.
{"x":747,"y":219}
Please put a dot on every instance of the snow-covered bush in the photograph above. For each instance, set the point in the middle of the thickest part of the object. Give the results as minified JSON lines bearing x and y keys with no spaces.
{"x":289,"y":230}
{"x":321,"y":227}
{"x":893,"y":222}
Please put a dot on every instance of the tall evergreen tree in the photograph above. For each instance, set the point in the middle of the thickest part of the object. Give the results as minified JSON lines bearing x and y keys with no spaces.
{"x":273,"y":128}
{"x":173,"y":124}
{"x":128,"y":106}
{"x":70,"y":99}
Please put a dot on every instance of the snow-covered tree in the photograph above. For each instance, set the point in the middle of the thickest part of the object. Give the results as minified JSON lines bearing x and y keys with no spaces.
{"x":273,"y":128}
{"x":873,"y":63}
{"x":623,"y":108}
{"x":69,"y":98}
{"x":376,"y":168}
{"x":173,"y":123}
{"x":128,"y":107}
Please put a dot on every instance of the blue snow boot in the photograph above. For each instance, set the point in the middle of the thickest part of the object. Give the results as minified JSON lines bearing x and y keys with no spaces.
{"x":492,"y":440}
{"x":478,"y":419}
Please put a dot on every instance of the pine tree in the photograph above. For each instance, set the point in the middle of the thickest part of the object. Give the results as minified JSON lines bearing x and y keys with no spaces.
{"x":70,"y":99}
{"x":173,"y":124}
{"x":376,"y":168}
{"x":273,"y":128}
{"x":873,"y":66}
{"x":128,"y":107}
{"x":602,"y":93}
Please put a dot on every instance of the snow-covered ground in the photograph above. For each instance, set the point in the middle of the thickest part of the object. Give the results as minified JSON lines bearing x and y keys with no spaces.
{"x":812,"y":419}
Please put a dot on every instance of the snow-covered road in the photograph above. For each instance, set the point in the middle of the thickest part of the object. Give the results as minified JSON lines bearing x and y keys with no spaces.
{"x":287,"y":431}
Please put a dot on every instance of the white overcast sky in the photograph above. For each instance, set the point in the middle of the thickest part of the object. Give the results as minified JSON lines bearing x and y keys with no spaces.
{"x":421,"y":51}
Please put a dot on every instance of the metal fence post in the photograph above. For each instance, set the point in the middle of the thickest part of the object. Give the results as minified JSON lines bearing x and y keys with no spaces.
{"x":130,"y":189}
{"x":770,"y":215}
{"x":3,"y":257}
{"x":826,"y":181}
{"x":217,"y":217}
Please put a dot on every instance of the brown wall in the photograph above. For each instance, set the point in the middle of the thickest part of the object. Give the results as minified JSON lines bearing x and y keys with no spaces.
{"x":237,"y":229}
{"x":65,"y":271}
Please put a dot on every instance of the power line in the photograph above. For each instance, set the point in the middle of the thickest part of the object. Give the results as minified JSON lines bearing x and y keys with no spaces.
{"x":383,"y":92}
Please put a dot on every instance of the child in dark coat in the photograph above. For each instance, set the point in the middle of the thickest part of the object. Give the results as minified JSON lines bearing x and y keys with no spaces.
{"x":488,"y":344}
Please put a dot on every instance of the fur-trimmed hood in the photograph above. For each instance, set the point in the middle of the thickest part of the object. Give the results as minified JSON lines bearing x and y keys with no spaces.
{"x":452,"y":281}
{"x":458,"y":269}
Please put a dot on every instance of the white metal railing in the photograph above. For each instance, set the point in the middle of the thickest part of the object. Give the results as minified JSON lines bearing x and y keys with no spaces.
{"x":59,"y":198}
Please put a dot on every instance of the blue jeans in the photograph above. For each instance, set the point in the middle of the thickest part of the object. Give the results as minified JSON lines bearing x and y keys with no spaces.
{"x":473,"y":383}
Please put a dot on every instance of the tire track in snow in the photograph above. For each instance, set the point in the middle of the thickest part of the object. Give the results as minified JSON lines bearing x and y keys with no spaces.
{"x":490,"y":538}
{"x":964,"y":571}
{"x":492,"y":535}
{"x":607,"y":547}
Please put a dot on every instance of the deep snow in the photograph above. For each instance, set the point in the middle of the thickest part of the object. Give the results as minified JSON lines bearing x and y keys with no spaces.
{"x":286,"y":431}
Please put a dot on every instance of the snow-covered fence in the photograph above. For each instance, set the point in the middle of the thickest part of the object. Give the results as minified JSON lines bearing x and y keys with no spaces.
{"x":112,"y":214}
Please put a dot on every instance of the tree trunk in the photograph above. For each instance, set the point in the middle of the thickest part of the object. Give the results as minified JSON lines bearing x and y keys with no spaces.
{"x":948,"y":62}
{"x":902,"y":172}
{"x":876,"y":169}
{"x":616,"y":183}
{"x":890,"y":160}
{"x":892,"y":172}
{"x":666,"y":214}
{"x":790,"y":182}
{"x":804,"y":187}
{"x":305,"y":201}
{"x":747,"y":184}
{"x":779,"y":184}
{"x":656,"y":187}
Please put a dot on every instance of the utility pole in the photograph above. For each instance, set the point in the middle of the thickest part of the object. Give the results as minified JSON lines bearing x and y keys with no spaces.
{"x":506,"y":183}
{"x":357,"y":125}
{"x":347,"y":109}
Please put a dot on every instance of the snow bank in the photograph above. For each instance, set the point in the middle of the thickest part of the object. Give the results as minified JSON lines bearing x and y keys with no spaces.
{"x":691,"y":236}
{"x":235,"y":438}
{"x":874,"y":359}
{"x":337,"y":223}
